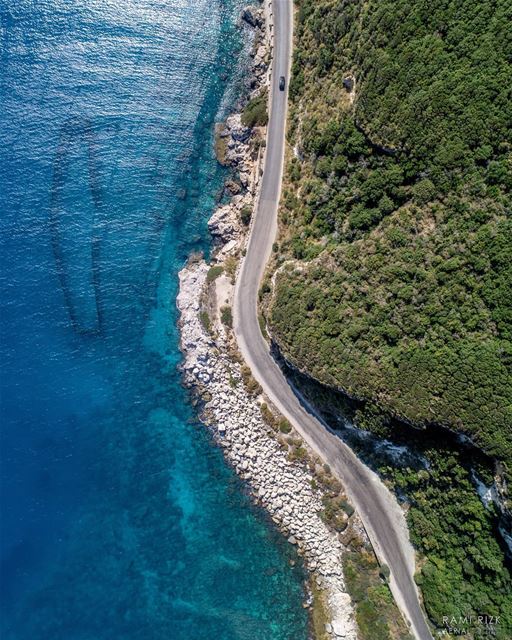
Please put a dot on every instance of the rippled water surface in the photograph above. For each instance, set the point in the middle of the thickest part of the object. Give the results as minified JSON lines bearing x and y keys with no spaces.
{"x":119,"y":519}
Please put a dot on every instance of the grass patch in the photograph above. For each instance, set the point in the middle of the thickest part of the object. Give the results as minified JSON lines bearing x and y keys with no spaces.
{"x":230,"y":266}
{"x":263,"y":326}
{"x":319,"y":613}
{"x":255,"y":113}
{"x":213,"y":273}
{"x":204,"y":318}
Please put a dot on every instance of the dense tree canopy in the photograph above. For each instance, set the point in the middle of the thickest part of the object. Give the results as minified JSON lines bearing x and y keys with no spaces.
{"x":399,"y":210}
{"x":464,"y":571}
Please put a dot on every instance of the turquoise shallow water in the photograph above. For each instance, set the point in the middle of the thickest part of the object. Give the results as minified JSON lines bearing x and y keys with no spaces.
{"x":119,"y":517}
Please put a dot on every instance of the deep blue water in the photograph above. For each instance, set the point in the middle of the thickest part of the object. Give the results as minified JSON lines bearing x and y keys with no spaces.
{"x":119,"y":518}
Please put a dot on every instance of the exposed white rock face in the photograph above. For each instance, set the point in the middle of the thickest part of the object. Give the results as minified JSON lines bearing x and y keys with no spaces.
{"x":236,"y":130}
{"x":224,"y":223}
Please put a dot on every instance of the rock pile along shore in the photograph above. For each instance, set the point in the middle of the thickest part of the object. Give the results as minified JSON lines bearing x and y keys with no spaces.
{"x":282,"y":486}
{"x":232,"y":404}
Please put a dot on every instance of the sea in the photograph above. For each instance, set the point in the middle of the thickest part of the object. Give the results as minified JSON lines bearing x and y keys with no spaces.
{"x":119,"y":517}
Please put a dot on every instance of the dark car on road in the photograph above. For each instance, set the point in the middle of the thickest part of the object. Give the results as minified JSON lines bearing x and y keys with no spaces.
{"x":281,"y":83}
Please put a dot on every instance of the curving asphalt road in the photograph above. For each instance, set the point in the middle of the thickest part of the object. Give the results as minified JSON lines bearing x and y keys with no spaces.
{"x":379,"y":511}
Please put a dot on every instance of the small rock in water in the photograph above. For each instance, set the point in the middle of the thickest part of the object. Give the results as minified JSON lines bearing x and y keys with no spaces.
{"x":249,"y":17}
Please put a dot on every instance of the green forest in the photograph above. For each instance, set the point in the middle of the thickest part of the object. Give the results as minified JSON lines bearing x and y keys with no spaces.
{"x":395,"y":250}
{"x":462,"y":563}
{"x":396,"y":216}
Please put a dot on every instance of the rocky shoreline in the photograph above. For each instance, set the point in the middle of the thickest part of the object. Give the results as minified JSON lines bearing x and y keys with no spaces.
{"x":266,"y":453}
{"x":282,"y":486}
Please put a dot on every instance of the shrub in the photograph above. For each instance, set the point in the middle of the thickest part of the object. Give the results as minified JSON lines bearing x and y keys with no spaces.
{"x":347,"y":508}
{"x":252,"y":386}
{"x":226,"y":316}
{"x":246,"y":214}
{"x":298,"y":453}
{"x":255,"y":113}
{"x":424,"y":191}
{"x":284,"y":426}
